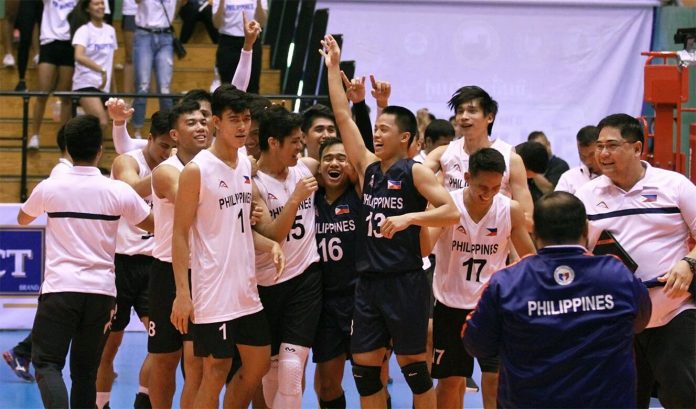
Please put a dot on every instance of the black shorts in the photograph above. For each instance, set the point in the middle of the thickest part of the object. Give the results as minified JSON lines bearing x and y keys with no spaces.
{"x":449,"y":356}
{"x":128,"y":23}
{"x":391,"y":306}
{"x":430,"y":273}
{"x":163,"y":337}
{"x":57,"y":53}
{"x":103,"y":98}
{"x":219,"y":339}
{"x":132,"y":281}
{"x":293,"y":308}
{"x":333,"y":331}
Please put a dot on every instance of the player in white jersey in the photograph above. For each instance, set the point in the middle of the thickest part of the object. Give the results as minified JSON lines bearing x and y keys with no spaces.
{"x":467,"y":255}
{"x":189,"y":128}
{"x":574,"y":178}
{"x":475,"y":113}
{"x":293,"y":302}
{"x":214,"y":208}
{"x":133,"y":256}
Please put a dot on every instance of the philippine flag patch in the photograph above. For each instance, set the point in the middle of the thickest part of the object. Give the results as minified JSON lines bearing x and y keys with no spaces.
{"x":492,"y":231}
{"x":247,"y":180}
{"x":649,"y":198}
{"x":342,"y":209}
{"x":393,"y":184}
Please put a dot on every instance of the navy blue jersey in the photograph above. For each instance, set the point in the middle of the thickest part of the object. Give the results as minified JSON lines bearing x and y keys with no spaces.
{"x":563,"y":323}
{"x":390,"y":194}
{"x":337,"y":237}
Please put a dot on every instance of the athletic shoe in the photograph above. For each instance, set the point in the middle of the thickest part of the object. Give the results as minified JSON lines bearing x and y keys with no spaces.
{"x":142,"y":401}
{"x":33,"y":142}
{"x":8,"y":61}
{"x":21,"y":86}
{"x":216,"y":81}
{"x":19,"y":365}
{"x":471,"y":385}
{"x":36,"y":59}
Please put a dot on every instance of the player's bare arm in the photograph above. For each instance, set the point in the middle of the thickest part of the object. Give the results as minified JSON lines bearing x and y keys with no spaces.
{"x":519,"y":234}
{"x":277,"y":229}
{"x":432,"y":161}
{"x":148,"y":223}
{"x":519,"y":189}
{"x":165,"y":182}
{"x":126,"y":169}
{"x":266,"y":245}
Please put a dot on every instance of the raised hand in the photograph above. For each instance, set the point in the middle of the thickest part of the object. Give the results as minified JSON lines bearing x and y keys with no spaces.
{"x":330,"y":51}
{"x":381,"y":91}
{"x":118,"y":110}
{"x":355,"y":88}
{"x":252,"y":29}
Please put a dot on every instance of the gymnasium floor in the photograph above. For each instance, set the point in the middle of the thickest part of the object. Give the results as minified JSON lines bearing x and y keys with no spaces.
{"x":17,"y":394}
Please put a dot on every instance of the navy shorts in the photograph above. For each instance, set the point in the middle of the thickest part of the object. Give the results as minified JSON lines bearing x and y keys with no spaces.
{"x":333,"y":331}
{"x":163,"y":337}
{"x":132,"y":280}
{"x":391,"y":306}
{"x":449,"y":356}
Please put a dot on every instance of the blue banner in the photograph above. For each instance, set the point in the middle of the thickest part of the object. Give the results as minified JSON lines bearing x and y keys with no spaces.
{"x":21,"y":260}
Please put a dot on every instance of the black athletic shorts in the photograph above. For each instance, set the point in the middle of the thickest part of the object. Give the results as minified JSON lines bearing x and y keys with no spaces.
{"x":132,"y":281}
{"x":293,"y":308}
{"x":449,"y":356}
{"x":128,"y":23}
{"x":103,"y":98}
{"x":163,"y":337}
{"x":219,"y":339}
{"x":391,"y":306}
{"x":57,"y":53}
{"x":333,"y":331}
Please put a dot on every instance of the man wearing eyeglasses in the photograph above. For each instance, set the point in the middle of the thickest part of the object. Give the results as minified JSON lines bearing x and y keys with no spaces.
{"x":651,"y":212}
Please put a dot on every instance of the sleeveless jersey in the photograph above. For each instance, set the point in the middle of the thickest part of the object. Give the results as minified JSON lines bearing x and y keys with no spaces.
{"x":223,"y":281}
{"x":469,"y":253}
{"x":390,"y":194}
{"x":337,"y":239}
{"x":455,"y":162}
{"x":164,"y":217}
{"x":299,"y":246}
{"x":132,"y":240}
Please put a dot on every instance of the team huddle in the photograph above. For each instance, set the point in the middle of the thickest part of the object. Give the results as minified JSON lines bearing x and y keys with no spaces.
{"x":239,"y":255}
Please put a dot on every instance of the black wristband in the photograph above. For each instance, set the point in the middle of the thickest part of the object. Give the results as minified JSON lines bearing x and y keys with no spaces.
{"x":692,"y":263}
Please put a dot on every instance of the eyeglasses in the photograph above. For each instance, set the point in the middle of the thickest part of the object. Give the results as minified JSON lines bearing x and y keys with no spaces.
{"x":610,"y":146}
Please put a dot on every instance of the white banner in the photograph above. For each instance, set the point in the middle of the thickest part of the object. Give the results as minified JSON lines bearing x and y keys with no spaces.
{"x":553,"y":66}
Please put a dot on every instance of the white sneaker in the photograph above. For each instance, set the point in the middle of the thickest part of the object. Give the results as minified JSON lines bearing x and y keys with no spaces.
{"x":8,"y":61}
{"x":33,"y":142}
{"x":216,"y":81}
{"x":36,"y":59}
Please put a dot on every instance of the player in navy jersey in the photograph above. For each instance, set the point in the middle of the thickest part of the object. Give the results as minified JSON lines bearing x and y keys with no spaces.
{"x":563,"y":320}
{"x":392,"y":292}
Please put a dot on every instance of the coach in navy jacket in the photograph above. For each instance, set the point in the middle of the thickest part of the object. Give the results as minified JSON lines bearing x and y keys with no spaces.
{"x":563,"y":320}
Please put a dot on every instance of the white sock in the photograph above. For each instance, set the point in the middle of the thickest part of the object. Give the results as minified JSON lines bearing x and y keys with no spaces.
{"x":102,"y":399}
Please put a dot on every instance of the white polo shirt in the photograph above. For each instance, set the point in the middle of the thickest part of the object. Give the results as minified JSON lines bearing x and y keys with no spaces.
{"x":61,"y":168}
{"x":232,"y":23}
{"x":652,"y":222}
{"x":572,"y":179}
{"x":83,"y":208}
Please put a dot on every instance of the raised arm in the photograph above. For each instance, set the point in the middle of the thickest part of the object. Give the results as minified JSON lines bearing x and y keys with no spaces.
{"x":120,"y":113}
{"x":242,"y":74}
{"x":381,"y":91}
{"x":355,"y":91}
{"x":356,"y":150}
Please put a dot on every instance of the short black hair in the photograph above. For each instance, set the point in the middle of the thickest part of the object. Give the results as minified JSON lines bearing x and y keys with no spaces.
{"x":404,"y":119}
{"x":182,"y":108}
{"x":472,"y":93}
{"x":277,"y":122}
{"x":327,"y":143}
{"x":559,"y":218}
{"x":535,"y":134}
{"x":159,"y":124}
{"x":83,"y":138}
{"x":229,"y":97}
{"x":258,"y":104}
{"x":486,"y":160}
{"x":438,"y":128}
{"x":628,"y":126}
{"x":198,"y":95}
{"x":587,"y":135}
{"x":314,"y":112}
{"x":60,"y":139}
{"x":534,"y":155}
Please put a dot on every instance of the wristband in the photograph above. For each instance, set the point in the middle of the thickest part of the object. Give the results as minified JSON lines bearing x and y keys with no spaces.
{"x":692,"y":264}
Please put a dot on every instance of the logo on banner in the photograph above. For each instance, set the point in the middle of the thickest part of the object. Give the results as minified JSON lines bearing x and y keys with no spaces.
{"x":21,"y":260}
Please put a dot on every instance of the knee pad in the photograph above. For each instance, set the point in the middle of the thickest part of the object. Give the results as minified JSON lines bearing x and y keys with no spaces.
{"x":270,"y":382}
{"x":291,"y":361}
{"x":367,"y":379}
{"x":417,"y":377}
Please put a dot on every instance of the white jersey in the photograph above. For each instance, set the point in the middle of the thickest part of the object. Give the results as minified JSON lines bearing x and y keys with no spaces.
{"x":232,"y":23}
{"x":132,"y":240}
{"x":468,"y":253}
{"x":163,"y":210}
{"x":54,"y":20}
{"x":151,"y":14}
{"x":455,"y":162}
{"x":652,"y":222}
{"x":572,"y":179}
{"x":300,"y":247}
{"x":61,"y":168}
{"x":223,"y":280}
{"x":100,"y":45}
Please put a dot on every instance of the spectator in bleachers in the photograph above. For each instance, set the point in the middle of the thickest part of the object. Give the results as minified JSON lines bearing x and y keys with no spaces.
{"x":191,"y":13}
{"x":546,"y":182}
{"x":129,"y":8}
{"x":9,"y":14}
{"x":28,"y":16}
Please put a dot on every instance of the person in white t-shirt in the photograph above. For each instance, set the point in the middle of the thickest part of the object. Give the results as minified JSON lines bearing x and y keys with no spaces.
{"x":95,"y":44}
{"x":651,"y":212}
{"x":78,"y":292}
{"x":574,"y":178}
